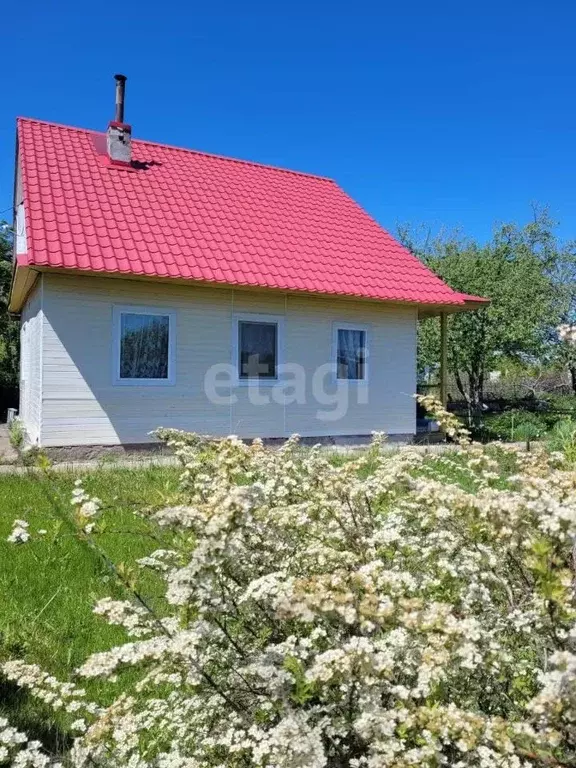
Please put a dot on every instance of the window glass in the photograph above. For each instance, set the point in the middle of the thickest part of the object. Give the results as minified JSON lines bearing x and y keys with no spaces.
{"x":144,"y":346}
{"x":351,"y":354}
{"x":257,"y":350}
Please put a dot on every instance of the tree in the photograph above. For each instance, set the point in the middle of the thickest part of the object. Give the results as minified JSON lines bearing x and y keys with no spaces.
{"x":527,"y":274}
{"x":567,"y":350}
{"x":9,"y":329}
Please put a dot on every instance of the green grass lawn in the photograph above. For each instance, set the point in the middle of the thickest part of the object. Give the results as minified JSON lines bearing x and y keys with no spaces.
{"x":49,"y":585}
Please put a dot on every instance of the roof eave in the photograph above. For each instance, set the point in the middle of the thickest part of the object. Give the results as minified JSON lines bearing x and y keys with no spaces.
{"x":23,"y":280}
{"x":435,"y":308}
{"x":469,"y":304}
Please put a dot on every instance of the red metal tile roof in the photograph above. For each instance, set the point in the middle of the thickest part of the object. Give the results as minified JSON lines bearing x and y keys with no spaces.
{"x":186,"y":214}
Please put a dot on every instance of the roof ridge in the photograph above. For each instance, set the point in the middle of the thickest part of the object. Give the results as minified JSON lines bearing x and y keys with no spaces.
{"x":202,"y":153}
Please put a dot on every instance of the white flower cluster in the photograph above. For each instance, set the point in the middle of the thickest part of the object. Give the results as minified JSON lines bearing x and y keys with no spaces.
{"x":391,"y":612}
{"x":567,"y":333}
{"x":450,"y":423}
{"x":59,"y":695}
{"x":134,"y":618}
{"x":86,"y":509}
{"x":16,"y":749}
{"x":20,"y":533}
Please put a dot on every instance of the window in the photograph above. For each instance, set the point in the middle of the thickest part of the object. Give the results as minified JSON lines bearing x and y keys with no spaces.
{"x":351,"y":353}
{"x":256,"y":347}
{"x":144,"y":346}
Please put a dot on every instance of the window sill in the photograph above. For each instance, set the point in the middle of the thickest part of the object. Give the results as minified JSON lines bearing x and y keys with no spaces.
{"x":143,"y":383}
{"x":256,"y":382}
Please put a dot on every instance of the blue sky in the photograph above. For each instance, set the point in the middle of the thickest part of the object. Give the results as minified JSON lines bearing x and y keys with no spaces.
{"x":443,"y":113}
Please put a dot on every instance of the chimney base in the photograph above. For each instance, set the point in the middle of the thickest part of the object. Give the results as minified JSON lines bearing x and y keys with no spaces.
{"x":119,"y":143}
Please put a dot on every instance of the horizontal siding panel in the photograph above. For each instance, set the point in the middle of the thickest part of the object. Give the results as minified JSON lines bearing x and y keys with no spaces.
{"x":261,"y":420}
{"x":266,"y":303}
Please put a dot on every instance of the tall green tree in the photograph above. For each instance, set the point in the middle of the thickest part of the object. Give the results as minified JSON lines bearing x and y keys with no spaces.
{"x":9,"y":328}
{"x":528,"y":275}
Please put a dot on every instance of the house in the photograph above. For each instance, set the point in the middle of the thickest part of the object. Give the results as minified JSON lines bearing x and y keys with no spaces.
{"x":160,"y":286}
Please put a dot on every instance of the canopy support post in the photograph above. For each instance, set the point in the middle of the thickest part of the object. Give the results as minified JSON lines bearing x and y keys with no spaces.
{"x":444,"y":359}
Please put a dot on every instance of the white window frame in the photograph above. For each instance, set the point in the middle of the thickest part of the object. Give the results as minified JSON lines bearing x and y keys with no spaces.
{"x":129,"y":309}
{"x":249,"y":317}
{"x":347,"y":326}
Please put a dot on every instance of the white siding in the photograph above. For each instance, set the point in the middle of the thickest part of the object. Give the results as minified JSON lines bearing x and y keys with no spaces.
{"x":20,"y":223}
{"x":30,"y":411}
{"x":81,"y":405}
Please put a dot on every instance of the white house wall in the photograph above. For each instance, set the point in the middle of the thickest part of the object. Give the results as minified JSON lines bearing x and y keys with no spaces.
{"x":31,"y":327}
{"x":82,"y":406}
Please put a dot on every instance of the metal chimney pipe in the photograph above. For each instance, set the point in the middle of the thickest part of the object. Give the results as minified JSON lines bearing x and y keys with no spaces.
{"x":120,"y":90}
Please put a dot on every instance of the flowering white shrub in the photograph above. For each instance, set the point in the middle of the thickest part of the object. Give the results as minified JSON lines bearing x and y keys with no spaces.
{"x":390,"y":612}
